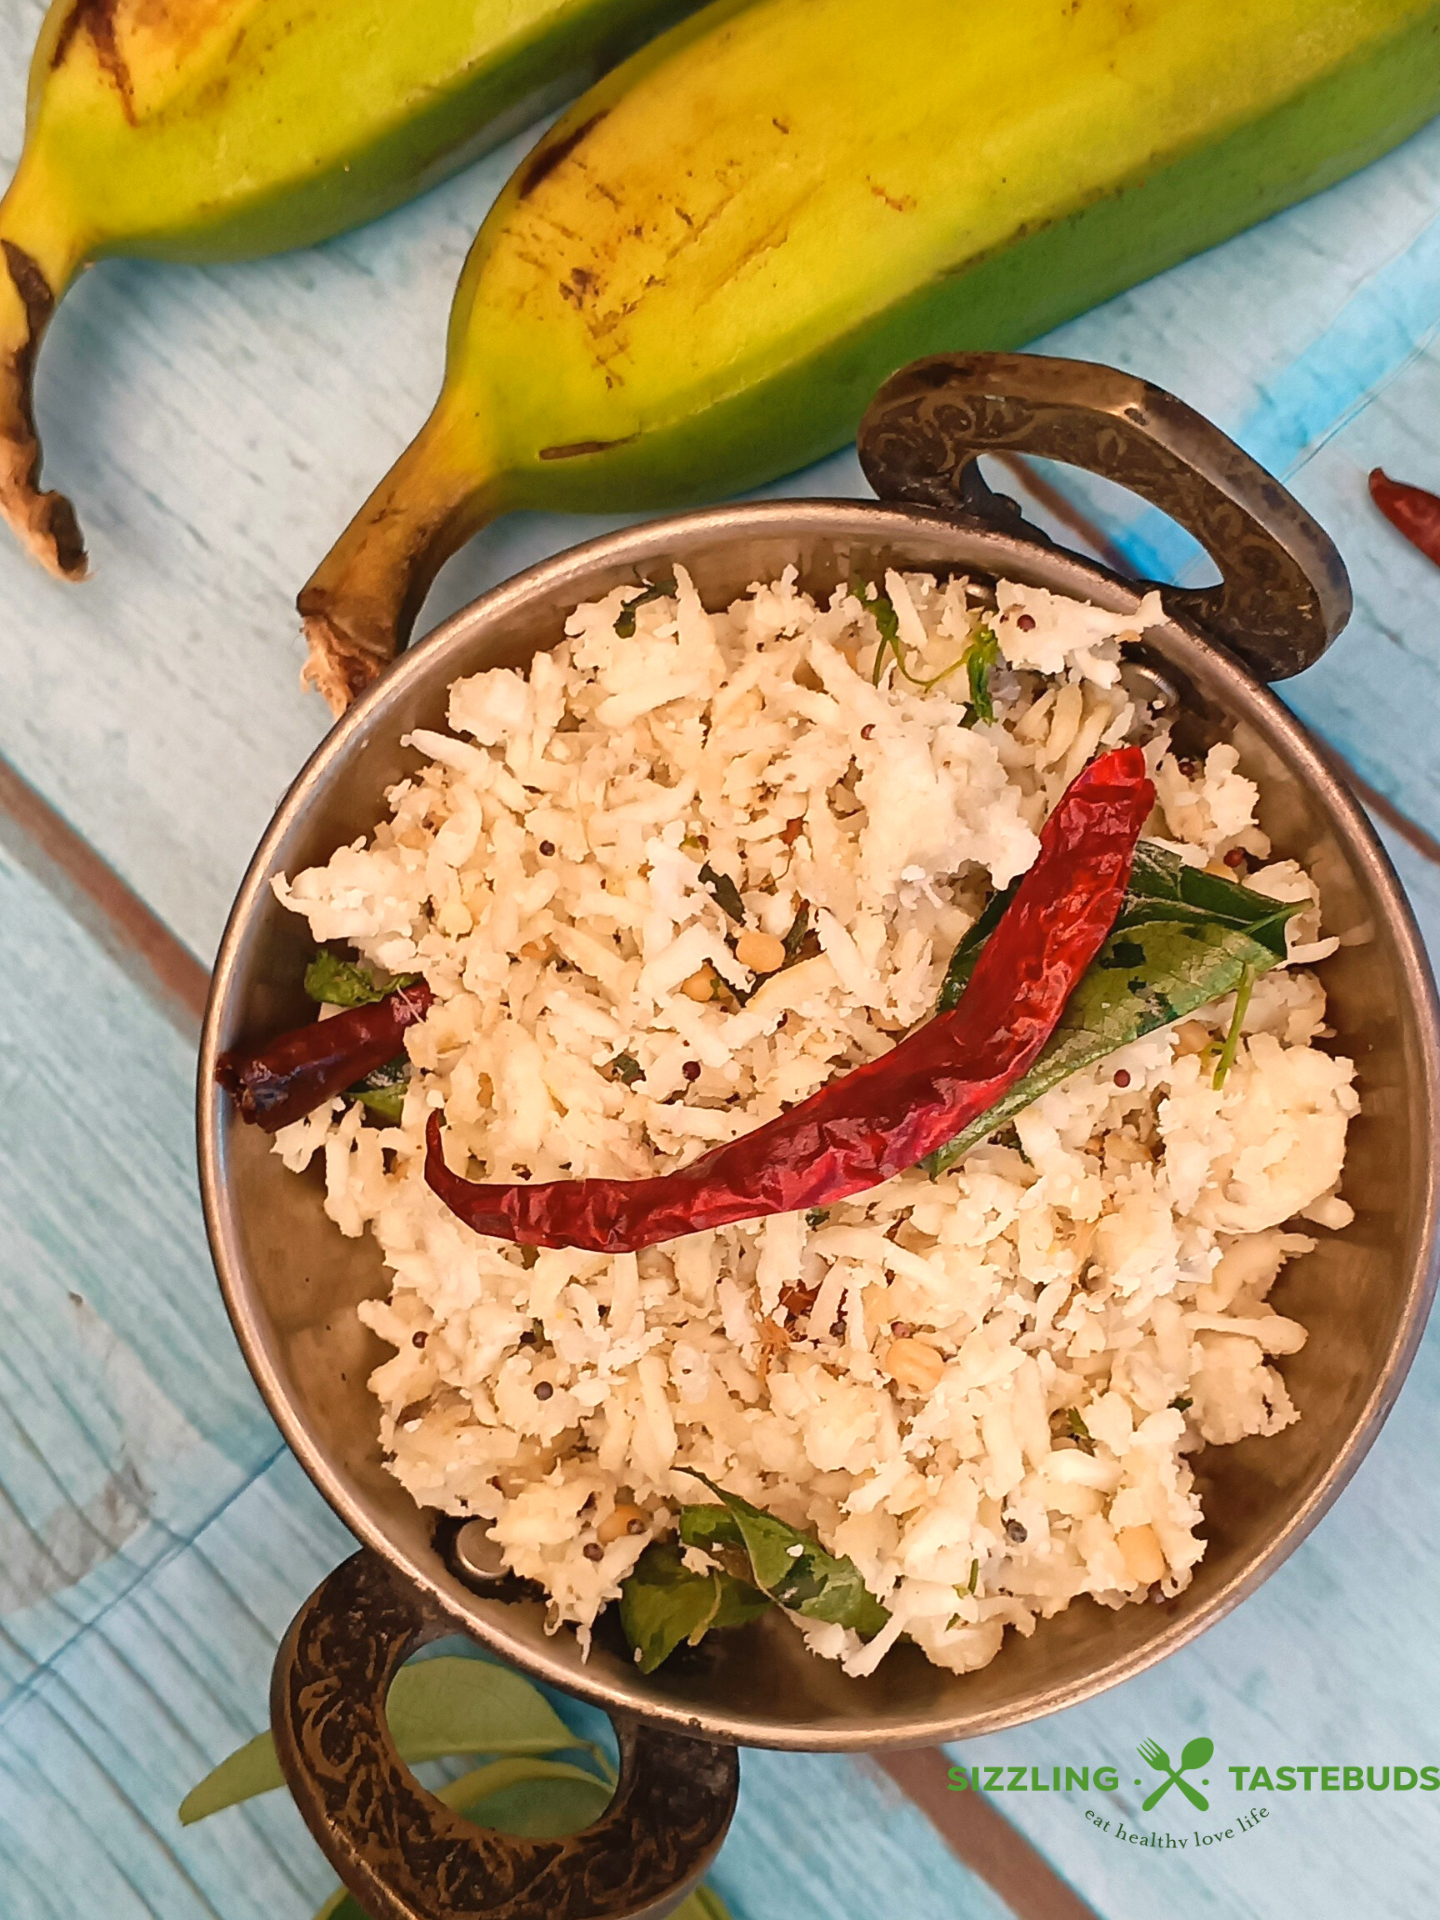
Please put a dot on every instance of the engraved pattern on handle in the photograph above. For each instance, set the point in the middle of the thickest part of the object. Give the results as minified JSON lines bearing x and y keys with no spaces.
{"x":1284,"y":594}
{"x":403,"y":1853}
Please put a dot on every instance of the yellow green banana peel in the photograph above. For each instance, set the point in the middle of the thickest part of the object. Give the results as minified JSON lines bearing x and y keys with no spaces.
{"x":700,"y":275}
{"x":211,"y":130}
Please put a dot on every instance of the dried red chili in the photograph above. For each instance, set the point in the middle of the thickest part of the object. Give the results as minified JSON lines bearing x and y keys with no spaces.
{"x":291,"y":1076}
{"x":890,"y":1113}
{"x":1414,"y":511}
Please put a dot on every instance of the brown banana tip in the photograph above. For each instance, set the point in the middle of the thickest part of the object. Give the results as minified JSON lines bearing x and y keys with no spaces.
{"x":334,"y":666}
{"x":44,"y":523}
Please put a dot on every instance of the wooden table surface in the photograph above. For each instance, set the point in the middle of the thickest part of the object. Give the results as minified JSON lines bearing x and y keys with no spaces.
{"x":216,"y":428}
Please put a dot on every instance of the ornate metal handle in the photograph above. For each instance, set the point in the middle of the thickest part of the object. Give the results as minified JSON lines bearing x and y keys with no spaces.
{"x":403,"y":1853}
{"x":1284,"y":594}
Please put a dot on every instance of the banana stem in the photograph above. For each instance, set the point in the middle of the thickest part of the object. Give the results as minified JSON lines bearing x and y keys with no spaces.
{"x":39,"y":257}
{"x":361,"y":603}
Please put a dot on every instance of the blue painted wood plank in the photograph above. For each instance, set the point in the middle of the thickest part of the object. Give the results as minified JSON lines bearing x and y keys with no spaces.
{"x":217,"y":427}
{"x":1333,"y":1662}
{"x":98,"y":1753}
{"x":126,"y":1415}
{"x":1313,"y":341}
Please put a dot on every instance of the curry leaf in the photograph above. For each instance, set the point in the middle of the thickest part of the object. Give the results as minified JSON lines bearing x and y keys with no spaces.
{"x":792,"y":1567}
{"x":962,"y":961}
{"x":710,"y":1527}
{"x":345,"y":983}
{"x":703,"y":1904}
{"x":542,"y":1799}
{"x":1162,"y":886}
{"x":799,"y":933}
{"x":1183,"y":938}
{"x":436,"y":1708}
{"x":454,"y":1705}
{"x":664,"y":1602}
{"x":383,"y":1091}
{"x":625,"y":623}
{"x":250,"y":1770}
{"x":723,"y":891}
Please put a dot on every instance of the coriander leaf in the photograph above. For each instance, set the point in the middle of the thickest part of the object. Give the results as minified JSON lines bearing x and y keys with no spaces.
{"x":346,"y":983}
{"x":982,"y":656}
{"x":793,"y":1568}
{"x":627,"y":1068}
{"x":657,"y":590}
{"x":1237,"y":1021}
{"x":1182,"y":939}
{"x":436,"y":1708}
{"x":882,"y":611}
{"x":662,"y":1603}
{"x":1079,"y":1432}
{"x":724,"y":892}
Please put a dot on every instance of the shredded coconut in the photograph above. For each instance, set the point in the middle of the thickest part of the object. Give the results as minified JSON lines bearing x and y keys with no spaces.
{"x":1102,"y":1270}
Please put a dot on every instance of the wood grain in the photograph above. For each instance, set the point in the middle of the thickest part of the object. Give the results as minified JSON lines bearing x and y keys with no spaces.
{"x":126,"y":1416}
{"x":983,"y":1839}
{"x":217,"y":427}
{"x":94,"y":896}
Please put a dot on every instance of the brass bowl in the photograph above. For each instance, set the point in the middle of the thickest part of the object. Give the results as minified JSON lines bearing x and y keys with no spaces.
{"x":291,"y":1282}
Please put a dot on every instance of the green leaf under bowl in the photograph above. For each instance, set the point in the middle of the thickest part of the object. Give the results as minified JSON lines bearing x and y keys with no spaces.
{"x":437,"y":1708}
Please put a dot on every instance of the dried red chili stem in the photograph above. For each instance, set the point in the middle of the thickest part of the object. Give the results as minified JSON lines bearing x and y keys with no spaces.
{"x":1414,"y":511}
{"x":888,"y":1114}
{"x":299,"y":1071}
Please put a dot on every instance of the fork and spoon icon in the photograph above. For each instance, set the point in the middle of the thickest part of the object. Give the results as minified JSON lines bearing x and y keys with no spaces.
{"x":1195,"y":1754}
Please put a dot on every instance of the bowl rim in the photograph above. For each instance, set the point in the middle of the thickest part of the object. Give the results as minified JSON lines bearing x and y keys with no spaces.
{"x":432,"y":658}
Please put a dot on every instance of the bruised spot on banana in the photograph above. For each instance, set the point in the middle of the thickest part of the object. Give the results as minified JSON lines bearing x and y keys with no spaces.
{"x":707,"y":266}
{"x":210,"y":130}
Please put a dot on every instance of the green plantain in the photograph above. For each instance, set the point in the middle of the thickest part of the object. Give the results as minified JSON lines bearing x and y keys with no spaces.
{"x":223,"y":129}
{"x":701,"y":273}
